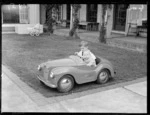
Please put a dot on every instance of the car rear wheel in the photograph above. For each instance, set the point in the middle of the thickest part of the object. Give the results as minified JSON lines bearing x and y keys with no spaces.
{"x":103,"y":76}
{"x":65,"y":83}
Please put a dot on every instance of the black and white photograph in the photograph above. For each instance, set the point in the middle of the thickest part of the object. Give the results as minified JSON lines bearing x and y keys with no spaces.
{"x":74,"y":58}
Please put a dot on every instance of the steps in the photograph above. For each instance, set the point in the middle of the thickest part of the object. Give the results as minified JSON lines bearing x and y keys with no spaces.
{"x":8,"y":29}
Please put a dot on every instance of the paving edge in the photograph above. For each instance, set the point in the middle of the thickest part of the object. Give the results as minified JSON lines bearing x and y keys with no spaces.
{"x":36,"y":97}
{"x":92,"y":91}
{"x":40,"y":100}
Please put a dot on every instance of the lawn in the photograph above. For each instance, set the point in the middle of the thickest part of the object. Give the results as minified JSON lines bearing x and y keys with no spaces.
{"x":23,"y":53}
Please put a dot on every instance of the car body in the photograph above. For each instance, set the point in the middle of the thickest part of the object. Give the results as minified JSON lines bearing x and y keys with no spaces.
{"x":63,"y":73}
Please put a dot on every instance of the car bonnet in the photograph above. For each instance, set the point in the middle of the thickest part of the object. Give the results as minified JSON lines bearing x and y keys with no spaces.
{"x":60,"y":63}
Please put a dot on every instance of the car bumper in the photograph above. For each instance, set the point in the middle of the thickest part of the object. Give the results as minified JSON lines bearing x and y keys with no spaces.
{"x":46,"y":82}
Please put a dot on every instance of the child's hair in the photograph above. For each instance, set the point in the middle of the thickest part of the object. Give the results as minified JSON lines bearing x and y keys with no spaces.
{"x":83,"y":43}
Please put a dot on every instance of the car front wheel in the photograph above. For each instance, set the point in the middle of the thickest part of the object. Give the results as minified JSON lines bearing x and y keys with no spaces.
{"x":103,"y":76}
{"x":65,"y":83}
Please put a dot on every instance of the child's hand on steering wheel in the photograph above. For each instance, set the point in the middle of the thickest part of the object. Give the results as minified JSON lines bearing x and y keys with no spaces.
{"x":76,"y":53}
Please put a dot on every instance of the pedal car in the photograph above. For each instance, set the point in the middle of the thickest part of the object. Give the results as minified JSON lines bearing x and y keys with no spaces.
{"x":64,"y":73}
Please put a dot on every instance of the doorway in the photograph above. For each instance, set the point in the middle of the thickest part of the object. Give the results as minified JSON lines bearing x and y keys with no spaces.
{"x":91,"y":12}
{"x":120,"y":11}
{"x":68,"y":11}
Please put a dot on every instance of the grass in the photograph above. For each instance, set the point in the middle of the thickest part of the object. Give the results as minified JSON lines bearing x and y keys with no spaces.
{"x":23,"y":53}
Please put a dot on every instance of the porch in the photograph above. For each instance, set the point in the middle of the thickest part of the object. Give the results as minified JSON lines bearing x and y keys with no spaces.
{"x":18,"y":28}
{"x":118,"y":40}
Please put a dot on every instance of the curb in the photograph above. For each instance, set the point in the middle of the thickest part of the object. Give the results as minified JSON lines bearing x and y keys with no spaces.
{"x":31,"y":93}
{"x":40,"y":100}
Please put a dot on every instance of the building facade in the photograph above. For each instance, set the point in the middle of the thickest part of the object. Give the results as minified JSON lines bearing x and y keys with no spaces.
{"x":117,"y":18}
{"x":122,"y":15}
{"x":18,"y":18}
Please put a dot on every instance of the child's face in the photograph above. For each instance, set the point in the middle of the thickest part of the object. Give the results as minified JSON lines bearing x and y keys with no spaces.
{"x":83,"y":48}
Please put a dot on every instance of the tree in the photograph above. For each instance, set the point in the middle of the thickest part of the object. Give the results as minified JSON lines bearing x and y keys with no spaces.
{"x":102,"y":31}
{"x":51,"y":20}
{"x":75,"y":8}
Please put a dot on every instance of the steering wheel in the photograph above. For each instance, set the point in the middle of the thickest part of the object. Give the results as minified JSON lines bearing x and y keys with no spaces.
{"x":78,"y":55}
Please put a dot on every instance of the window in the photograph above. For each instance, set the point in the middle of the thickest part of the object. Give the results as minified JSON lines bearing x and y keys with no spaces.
{"x":120,"y":17}
{"x":23,"y":14}
{"x":10,"y":13}
{"x":59,"y":14}
{"x":92,"y":12}
{"x":56,"y":13}
{"x":15,"y":13}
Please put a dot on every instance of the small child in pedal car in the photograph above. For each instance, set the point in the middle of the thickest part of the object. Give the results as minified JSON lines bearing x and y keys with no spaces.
{"x":87,"y":56}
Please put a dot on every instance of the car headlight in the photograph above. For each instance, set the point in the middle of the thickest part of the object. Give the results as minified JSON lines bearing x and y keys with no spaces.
{"x":51,"y":75}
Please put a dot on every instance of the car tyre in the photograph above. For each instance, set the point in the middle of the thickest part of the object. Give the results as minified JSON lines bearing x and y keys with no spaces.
{"x":65,"y":84}
{"x":103,"y":76}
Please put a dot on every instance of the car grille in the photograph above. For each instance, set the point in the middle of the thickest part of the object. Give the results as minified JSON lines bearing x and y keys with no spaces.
{"x":44,"y":73}
{"x":41,"y":72}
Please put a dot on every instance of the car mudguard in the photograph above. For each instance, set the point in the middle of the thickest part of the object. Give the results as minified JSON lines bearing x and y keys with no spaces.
{"x":61,"y":71}
{"x":105,"y":66}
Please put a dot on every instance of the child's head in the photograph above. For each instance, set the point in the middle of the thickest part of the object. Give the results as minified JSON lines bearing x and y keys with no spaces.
{"x":83,"y":45}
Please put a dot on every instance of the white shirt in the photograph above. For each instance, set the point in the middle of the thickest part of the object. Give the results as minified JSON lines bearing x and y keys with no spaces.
{"x":88,"y":57}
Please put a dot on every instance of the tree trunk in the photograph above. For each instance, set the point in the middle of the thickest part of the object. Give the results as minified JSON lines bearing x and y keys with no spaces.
{"x":49,"y":22}
{"x":75,"y":8}
{"x":102,"y":31}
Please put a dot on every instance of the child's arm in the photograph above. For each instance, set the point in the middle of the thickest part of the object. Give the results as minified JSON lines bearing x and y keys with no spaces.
{"x":79,"y":53}
{"x":76,"y":53}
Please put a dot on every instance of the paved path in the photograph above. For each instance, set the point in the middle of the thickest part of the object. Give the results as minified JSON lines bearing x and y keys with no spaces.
{"x":129,"y":98}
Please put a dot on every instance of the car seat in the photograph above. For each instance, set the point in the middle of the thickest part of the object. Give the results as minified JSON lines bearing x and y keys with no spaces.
{"x":97,"y":60}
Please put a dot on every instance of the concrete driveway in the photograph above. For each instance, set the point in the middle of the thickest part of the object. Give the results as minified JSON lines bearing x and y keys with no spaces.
{"x":124,"y":99}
